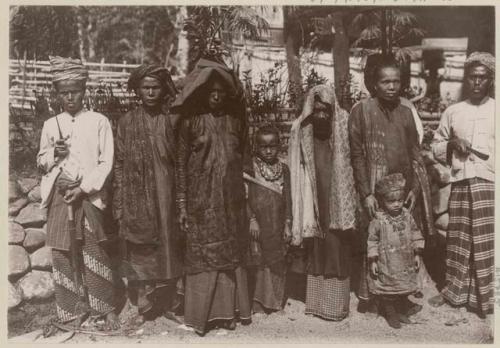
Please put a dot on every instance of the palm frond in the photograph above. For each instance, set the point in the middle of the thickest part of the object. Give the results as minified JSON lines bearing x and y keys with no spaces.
{"x":371,"y":32}
{"x":403,"y":54}
{"x":246,"y":20}
{"x":417,"y":32}
{"x":403,"y":18}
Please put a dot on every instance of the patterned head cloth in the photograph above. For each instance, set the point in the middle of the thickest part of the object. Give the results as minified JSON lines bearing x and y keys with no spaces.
{"x":156,"y":71}
{"x":67,"y":69}
{"x":483,"y":58}
{"x":390,"y":183}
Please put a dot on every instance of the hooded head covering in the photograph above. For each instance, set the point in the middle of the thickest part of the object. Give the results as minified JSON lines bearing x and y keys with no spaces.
{"x":390,"y":183}
{"x":324,"y":93}
{"x":483,"y":58}
{"x":67,"y":69}
{"x":156,"y":71}
{"x":305,"y":207}
{"x":203,"y":72}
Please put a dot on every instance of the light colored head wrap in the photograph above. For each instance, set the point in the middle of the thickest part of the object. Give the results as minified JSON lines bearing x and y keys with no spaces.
{"x":324,"y":93}
{"x":342,"y":195}
{"x":483,"y":58}
{"x":67,"y":69}
{"x":390,"y":183}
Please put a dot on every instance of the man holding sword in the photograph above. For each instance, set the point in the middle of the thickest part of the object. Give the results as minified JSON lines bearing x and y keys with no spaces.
{"x":465,"y":140}
{"x":76,"y":156}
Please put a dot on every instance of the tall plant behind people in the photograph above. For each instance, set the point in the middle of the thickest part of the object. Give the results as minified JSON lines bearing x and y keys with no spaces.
{"x":207,"y":25}
{"x":388,"y":30}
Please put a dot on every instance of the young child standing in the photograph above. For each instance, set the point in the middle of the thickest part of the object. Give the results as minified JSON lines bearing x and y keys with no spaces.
{"x":269,"y":210}
{"x":395,"y":246}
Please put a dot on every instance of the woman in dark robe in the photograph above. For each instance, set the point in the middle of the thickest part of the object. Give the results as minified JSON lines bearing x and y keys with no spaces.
{"x":144,"y":191}
{"x":211,"y":196}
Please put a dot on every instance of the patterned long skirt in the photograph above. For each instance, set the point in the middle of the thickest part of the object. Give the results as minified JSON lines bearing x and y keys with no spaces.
{"x":97,"y":276}
{"x":215,"y":295}
{"x":328,"y":298}
{"x":470,"y":245}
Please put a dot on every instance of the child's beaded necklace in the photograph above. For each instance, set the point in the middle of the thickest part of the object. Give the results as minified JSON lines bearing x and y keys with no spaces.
{"x":270,"y":172}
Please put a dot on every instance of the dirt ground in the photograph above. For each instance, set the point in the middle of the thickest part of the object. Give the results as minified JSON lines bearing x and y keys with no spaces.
{"x":291,"y":326}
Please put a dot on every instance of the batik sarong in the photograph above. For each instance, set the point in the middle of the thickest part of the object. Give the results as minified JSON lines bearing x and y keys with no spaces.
{"x":97,"y":275}
{"x":470,"y":245}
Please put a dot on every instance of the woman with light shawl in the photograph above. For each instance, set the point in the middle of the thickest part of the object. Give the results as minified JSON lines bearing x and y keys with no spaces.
{"x":211,"y":196}
{"x":323,"y":201}
{"x":144,"y":193}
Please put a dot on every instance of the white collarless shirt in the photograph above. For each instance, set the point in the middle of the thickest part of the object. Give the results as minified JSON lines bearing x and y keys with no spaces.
{"x":90,"y":142}
{"x":476,"y":124}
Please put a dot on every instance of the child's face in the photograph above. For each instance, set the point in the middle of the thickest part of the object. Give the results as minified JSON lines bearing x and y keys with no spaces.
{"x":393,"y":202}
{"x":267,"y":148}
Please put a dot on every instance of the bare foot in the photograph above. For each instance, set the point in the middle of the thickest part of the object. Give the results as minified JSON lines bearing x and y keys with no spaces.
{"x":436,"y":301}
{"x":231,"y":325}
{"x":136,"y":321}
{"x":112,"y":322}
{"x":171,"y":316}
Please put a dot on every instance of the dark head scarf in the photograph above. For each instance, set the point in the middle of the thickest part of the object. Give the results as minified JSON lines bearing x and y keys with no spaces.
{"x":156,"y":71}
{"x":204,"y":71}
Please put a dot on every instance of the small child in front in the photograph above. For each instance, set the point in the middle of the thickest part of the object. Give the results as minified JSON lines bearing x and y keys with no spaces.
{"x":395,"y":246}
{"x":269,"y":209}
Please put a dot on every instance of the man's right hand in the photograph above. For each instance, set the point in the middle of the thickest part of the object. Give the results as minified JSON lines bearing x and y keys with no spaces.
{"x":371,"y":205}
{"x":183,"y":220}
{"x":460,"y":145}
{"x":61,"y":150}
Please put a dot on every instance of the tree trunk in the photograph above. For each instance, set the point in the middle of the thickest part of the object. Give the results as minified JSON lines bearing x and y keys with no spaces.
{"x":292,"y":47}
{"x":340,"y":54}
{"x":91,"y":36}
{"x":390,"y":25}
{"x":383,"y":29}
{"x":183,"y":43}
{"x":81,"y":33}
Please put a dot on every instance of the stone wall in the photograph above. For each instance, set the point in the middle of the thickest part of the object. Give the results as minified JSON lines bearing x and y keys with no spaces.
{"x":30,"y":261}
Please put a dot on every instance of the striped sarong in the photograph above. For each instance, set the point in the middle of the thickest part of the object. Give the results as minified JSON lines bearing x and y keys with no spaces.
{"x":470,"y":245}
{"x":97,"y":276}
{"x":328,"y":298}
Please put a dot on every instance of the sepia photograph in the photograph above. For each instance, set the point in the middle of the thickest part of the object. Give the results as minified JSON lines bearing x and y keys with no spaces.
{"x":316,"y":173}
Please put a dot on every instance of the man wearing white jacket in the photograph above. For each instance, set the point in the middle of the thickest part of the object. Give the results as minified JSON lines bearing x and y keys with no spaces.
{"x":76,"y":156}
